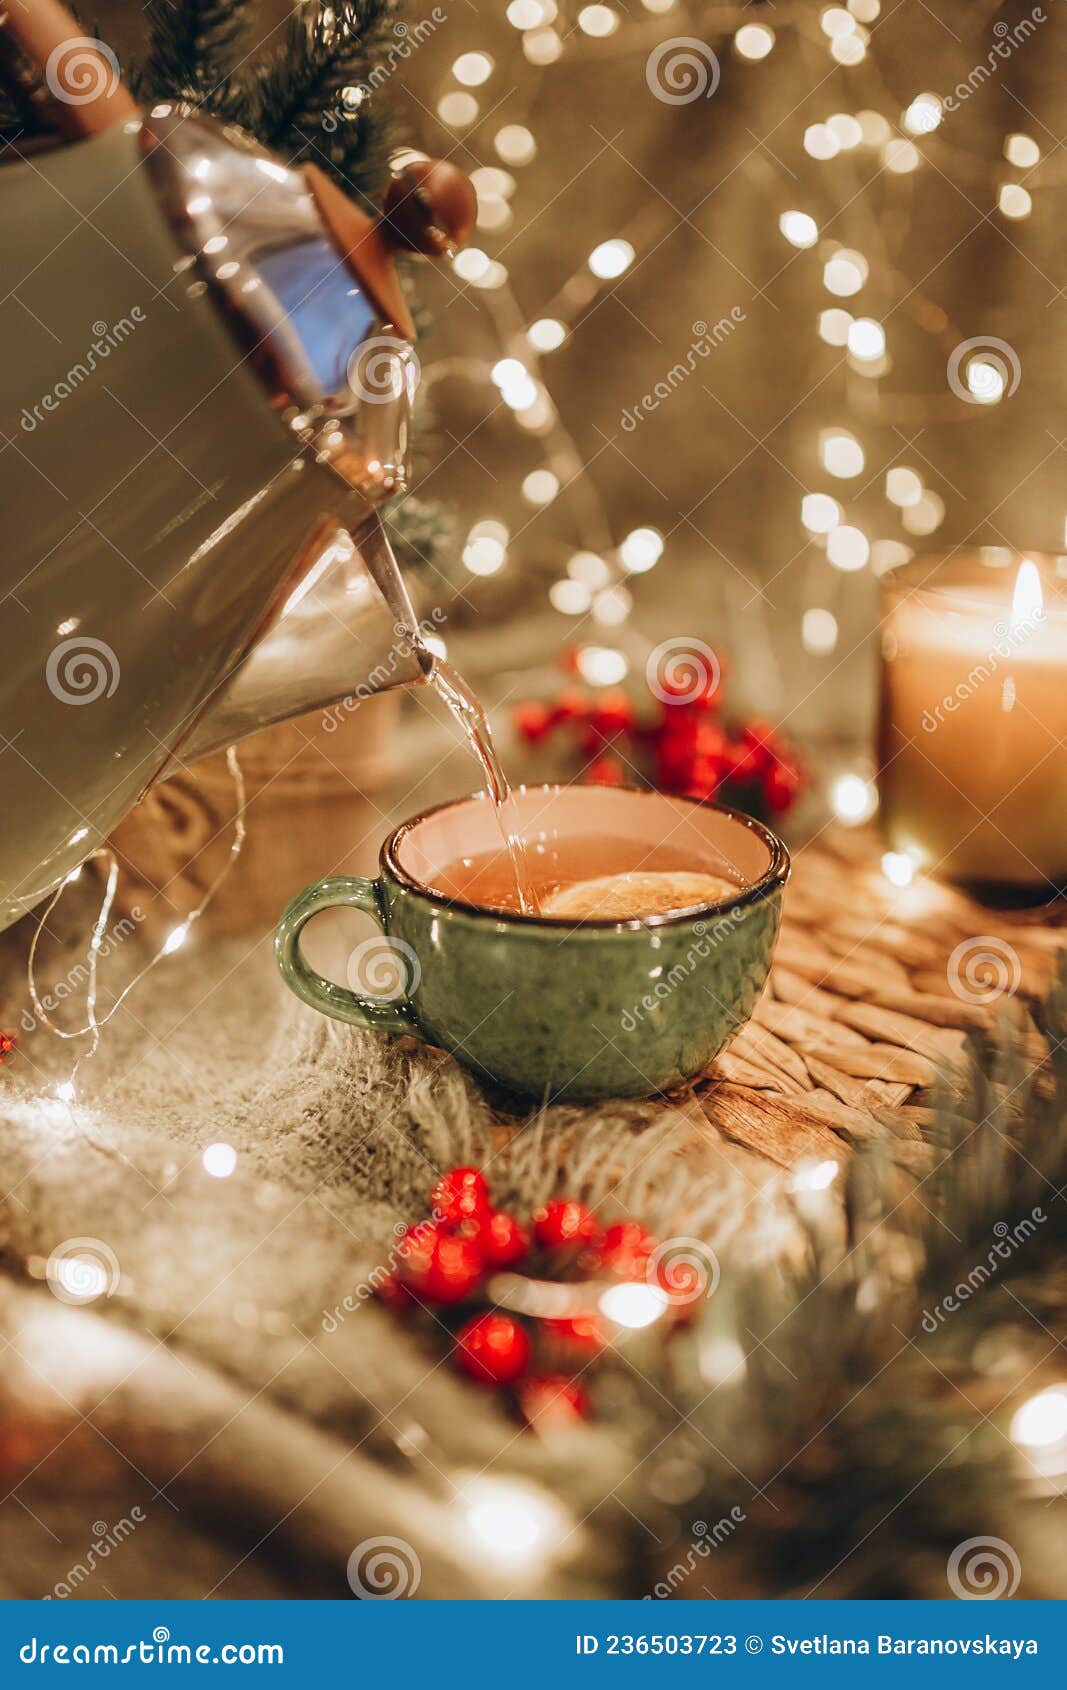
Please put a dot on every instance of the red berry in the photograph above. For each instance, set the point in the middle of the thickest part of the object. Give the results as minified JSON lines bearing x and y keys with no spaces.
{"x":605,"y":771}
{"x":709,"y":739}
{"x":533,"y":721}
{"x":439,"y":1267}
{"x":627,"y":1235}
{"x":390,"y":1290}
{"x":571,"y":706}
{"x":612,"y":714}
{"x":625,"y":1249}
{"x":781,"y":786}
{"x":502,"y":1239}
{"x":703,"y":778}
{"x":759,"y":736}
{"x":7,"y":1044}
{"x":493,"y":1348}
{"x":416,"y":1240}
{"x":683,"y":1282}
{"x":564,"y":1224}
{"x":553,"y":1401}
{"x":459,"y":1195}
{"x":576,"y":1338}
{"x":745,"y":764}
{"x":694,"y":686}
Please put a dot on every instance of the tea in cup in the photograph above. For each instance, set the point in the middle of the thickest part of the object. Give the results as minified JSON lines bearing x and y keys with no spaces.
{"x":656,"y":919}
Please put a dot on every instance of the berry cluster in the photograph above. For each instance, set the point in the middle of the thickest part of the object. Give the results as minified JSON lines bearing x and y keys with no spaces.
{"x":446,"y":1265}
{"x":683,"y":745}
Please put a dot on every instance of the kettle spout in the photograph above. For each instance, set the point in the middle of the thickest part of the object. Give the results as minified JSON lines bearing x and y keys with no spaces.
{"x":347,"y":629}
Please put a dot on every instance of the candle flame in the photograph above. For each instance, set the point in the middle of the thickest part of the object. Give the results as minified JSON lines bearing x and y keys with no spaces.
{"x":1027,"y":604}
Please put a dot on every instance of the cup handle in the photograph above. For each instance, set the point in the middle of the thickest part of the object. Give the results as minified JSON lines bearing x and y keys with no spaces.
{"x":380,"y":1015}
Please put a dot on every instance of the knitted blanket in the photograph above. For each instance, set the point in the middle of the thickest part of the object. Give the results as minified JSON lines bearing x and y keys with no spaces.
{"x":229,"y":1413}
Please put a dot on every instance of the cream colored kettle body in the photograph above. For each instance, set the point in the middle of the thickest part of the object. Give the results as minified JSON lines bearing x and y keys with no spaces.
{"x":199,"y":399}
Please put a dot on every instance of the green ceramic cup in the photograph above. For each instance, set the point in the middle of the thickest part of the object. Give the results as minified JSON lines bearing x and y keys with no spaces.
{"x":546,"y":1008}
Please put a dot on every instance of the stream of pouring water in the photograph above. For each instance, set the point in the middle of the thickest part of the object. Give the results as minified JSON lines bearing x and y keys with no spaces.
{"x":455,"y":694}
{"x":467,"y":710}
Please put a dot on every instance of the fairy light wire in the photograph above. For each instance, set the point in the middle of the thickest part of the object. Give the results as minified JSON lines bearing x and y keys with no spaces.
{"x":93,"y":1023}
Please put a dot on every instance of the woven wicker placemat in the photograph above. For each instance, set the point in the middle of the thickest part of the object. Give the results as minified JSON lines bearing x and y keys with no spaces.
{"x":872,"y":995}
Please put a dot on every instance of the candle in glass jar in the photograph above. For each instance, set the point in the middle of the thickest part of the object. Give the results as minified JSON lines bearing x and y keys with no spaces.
{"x":973,"y":719}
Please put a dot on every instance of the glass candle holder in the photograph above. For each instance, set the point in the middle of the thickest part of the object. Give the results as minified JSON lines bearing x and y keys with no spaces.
{"x":972,"y":738}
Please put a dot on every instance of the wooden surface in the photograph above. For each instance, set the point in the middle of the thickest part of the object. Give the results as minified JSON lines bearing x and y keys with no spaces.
{"x":872,"y":995}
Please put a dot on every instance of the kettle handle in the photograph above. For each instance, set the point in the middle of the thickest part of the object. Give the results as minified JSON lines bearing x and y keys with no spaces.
{"x":430,"y":208}
{"x":79,"y":81}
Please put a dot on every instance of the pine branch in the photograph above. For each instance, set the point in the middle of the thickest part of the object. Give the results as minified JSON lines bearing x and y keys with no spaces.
{"x":293,"y":99}
{"x":193,"y":47}
{"x":423,"y":536}
{"x":869,"y":1415}
{"x":309,"y":99}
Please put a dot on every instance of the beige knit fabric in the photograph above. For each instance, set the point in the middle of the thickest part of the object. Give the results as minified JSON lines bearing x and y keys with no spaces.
{"x":264,"y":1426}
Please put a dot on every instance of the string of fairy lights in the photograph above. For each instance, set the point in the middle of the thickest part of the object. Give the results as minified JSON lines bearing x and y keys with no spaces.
{"x":66,"y":1090}
{"x":595,"y":581}
{"x":512,"y":1527}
